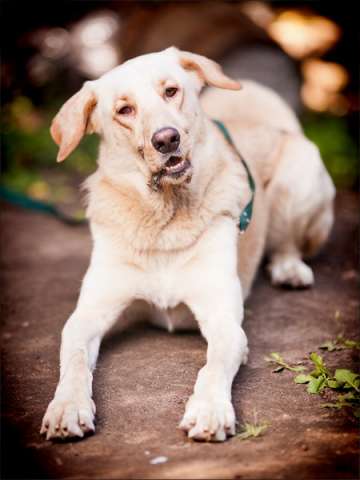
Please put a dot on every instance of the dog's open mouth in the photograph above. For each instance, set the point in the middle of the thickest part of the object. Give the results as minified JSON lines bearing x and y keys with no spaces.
{"x":176,"y":166}
{"x":175,"y":171}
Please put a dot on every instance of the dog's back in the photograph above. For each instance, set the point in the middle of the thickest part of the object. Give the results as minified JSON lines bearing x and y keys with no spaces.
{"x":254,"y":104}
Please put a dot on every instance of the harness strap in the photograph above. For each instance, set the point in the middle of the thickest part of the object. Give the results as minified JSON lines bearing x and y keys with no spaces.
{"x":24,"y":201}
{"x":246,"y":214}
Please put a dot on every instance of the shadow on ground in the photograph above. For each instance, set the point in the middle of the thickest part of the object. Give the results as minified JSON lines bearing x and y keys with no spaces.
{"x":144,"y":376}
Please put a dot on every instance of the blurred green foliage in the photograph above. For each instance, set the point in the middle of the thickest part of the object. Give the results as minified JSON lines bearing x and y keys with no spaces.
{"x":30,"y":153}
{"x":338,"y":149}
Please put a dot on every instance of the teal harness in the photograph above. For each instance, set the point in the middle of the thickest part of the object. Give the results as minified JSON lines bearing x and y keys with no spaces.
{"x":246,"y":214}
{"x":27,"y":202}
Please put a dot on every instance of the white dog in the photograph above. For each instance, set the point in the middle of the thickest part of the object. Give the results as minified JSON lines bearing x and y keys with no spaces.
{"x":164,"y":206}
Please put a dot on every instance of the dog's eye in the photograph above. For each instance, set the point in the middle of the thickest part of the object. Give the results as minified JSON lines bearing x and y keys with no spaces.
{"x":126,"y":110}
{"x":170,"y":92}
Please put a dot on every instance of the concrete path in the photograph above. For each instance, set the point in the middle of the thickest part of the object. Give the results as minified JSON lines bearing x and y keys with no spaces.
{"x":144,"y":376}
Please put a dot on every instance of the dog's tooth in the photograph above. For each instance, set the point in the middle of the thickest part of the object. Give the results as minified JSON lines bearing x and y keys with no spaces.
{"x":178,"y":166}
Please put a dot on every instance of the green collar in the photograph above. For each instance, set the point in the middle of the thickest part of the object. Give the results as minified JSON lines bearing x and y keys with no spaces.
{"x":246,"y":214}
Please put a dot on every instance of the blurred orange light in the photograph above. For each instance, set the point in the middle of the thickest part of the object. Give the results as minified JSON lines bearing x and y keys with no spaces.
{"x":330,"y":76}
{"x":322,"y":86}
{"x":302,"y":34}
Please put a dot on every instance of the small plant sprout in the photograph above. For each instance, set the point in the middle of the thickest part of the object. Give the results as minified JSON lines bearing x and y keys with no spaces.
{"x":276,"y":358}
{"x":340,"y":343}
{"x":255,"y":429}
{"x":343,"y":380}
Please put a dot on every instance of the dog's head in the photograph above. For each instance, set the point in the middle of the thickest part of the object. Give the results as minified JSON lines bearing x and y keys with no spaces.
{"x":147,"y":112}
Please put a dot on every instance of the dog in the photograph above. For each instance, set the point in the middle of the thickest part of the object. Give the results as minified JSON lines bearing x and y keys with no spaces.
{"x":164,"y":206}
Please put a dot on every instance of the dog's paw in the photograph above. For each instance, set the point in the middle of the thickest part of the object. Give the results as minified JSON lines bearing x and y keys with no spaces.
{"x":68,"y":418}
{"x":208,"y":420}
{"x":290,"y":271}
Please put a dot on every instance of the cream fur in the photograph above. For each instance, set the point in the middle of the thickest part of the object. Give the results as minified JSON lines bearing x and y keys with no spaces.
{"x":175,"y":256}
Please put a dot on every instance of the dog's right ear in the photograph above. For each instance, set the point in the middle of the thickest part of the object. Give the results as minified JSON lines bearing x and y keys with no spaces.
{"x":72,"y":121}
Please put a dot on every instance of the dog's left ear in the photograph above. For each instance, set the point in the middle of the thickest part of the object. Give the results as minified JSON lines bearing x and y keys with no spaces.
{"x":207,"y":70}
{"x":72,"y":121}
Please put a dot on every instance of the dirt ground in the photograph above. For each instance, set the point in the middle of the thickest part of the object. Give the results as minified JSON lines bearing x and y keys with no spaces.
{"x":144,"y":375}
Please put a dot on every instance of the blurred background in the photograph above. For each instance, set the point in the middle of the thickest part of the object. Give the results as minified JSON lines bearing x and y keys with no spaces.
{"x":306,"y":51}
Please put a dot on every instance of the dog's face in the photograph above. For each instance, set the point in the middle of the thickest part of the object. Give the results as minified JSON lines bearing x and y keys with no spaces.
{"x":147,"y":112}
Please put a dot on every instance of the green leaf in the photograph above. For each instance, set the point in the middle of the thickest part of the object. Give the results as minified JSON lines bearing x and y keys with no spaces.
{"x":277,"y":358}
{"x":320,"y":368}
{"x":317,"y":360}
{"x":316,"y":384}
{"x":329,"y":345}
{"x":333,"y":384}
{"x":349,"y":400}
{"x":302,"y":378}
{"x":344,"y":376}
{"x":298,"y":368}
{"x":351,"y":344}
{"x":340,"y":343}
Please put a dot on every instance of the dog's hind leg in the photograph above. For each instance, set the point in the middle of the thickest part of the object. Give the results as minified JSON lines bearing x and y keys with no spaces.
{"x":72,"y":410}
{"x":300,"y":196}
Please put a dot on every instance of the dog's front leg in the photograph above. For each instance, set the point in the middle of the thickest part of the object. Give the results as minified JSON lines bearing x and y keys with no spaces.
{"x":209,"y":413}
{"x":71,"y":412}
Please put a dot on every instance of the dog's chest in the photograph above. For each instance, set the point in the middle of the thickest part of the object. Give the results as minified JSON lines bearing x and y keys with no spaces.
{"x":164,"y":288}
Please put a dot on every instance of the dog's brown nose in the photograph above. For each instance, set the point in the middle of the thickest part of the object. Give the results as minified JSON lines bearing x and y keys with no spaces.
{"x":166,"y":140}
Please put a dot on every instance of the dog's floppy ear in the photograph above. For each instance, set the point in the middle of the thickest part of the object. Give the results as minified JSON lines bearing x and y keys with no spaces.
{"x":71,"y":122}
{"x":208,"y":71}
